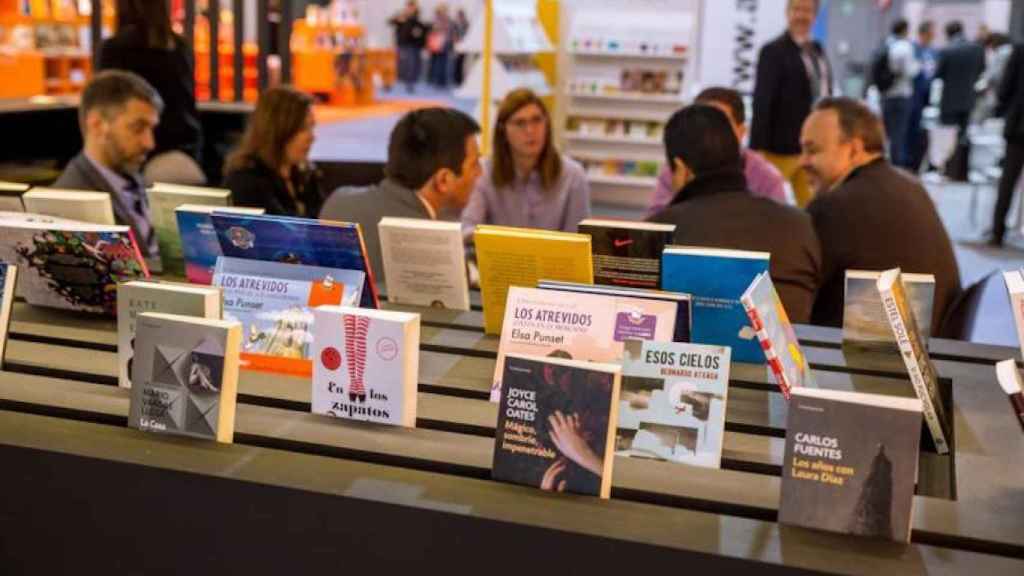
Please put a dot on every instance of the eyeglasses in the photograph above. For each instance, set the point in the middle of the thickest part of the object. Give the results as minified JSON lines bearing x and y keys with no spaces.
{"x":524,"y":123}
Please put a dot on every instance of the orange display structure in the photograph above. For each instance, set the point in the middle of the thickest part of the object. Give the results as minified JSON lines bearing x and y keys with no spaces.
{"x":329,"y":59}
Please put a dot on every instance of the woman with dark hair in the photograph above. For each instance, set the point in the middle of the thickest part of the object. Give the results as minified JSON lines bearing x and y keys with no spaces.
{"x":527,"y":182}
{"x":270,"y":168}
{"x":146,"y":45}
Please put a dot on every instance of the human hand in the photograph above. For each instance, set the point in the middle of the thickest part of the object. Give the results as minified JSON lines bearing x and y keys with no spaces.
{"x":551,"y":474}
{"x":565,"y":433}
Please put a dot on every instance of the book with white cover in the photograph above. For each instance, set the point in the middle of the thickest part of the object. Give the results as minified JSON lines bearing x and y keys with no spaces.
{"x":10,"y":196}
{"x":1015,"y":286}
{"x":80,"y":205}
{"x":139,"y":296}
{"x":8,"y":279}
{"x":366,"y":364}
{"x":424,"y":262}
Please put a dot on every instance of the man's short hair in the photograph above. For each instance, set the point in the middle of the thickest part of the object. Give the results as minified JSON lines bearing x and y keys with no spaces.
{"x":900,"y":27}
{"x":925,"y":27}
{"x":111,"y":90}
{"x":856,"y":121}
{"x":701,"y":136}
{"x":817,"y":4}
{"x":729,"y":98}
{"x":425,"y":141}
{"x":954,"y":28}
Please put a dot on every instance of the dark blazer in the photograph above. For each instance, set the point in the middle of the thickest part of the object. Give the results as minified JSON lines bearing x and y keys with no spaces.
{"x":259,"y":186}
{"x":172,"y":74}
{"x":1011,"y":96}
{"x":367,"y":206}
{"x":960,"y":65}
{"x":782,"y":96}
{"x":880,"y":218}
{"x":725,"y":215}
{"x":80,"y":174}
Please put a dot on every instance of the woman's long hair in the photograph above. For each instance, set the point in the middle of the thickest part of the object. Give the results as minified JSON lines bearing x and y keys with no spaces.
{"x":503,"y":168}
{"x":280,"y":114}
{"x":149,"y":18}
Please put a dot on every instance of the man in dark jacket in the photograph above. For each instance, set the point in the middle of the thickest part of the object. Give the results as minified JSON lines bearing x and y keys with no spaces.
{"x":869,"y":215}
{"x":960,"y":65}
{"x":713,"y":207}
{"x":1011,"y":105}
{"x":792,"y":74}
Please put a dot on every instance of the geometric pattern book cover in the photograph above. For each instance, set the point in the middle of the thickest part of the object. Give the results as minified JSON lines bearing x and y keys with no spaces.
{"x":556,"y":425}
{"x":844,"y":475}
{"x":366,"y":364}
{"x":672,"y":405}
{"x":184,"y":376}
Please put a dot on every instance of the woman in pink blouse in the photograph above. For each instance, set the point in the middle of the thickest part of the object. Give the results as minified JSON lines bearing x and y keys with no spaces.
{"x":527,"y":182}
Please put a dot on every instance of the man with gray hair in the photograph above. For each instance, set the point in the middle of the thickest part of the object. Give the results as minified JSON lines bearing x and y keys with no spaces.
{"x":117,"y":115}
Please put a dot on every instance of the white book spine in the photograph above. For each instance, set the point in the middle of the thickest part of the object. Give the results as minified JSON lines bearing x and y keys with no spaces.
{"x":768,"y":347}
{"x":914,"y":369}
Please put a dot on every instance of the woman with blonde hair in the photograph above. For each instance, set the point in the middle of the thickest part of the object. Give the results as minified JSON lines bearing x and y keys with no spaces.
{"x":270,"y":168}
{"x":527,"y":182}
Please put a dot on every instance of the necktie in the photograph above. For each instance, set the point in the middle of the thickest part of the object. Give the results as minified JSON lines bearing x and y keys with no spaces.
{"x":814,"y":72}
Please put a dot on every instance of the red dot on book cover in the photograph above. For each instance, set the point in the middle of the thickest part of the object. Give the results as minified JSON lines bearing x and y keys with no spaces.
{"x":330,"y":358}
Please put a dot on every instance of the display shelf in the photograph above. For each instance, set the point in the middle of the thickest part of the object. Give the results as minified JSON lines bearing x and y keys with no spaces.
{"x":622,"y":140}
{"x":598,"y":156}
{"x":616,"y":180}
{"x":681,"y":57}
{"x":676,"y":99}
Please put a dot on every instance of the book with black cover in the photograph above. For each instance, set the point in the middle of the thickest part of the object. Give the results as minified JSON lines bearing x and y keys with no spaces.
{"x":627,"y":253}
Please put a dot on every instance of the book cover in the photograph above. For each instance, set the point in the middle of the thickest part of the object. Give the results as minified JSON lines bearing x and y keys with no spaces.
{"x":164,"y":200}
{"x":424,"y":262}
{"x":274,"y":303}
{"x":683,"y":304}
{"x":715,"y":279}
{"x":8,"y":281}
{"x":199,"y":245}
{"x":366,"y":364}
{"x":1015,"y":287}
{"x":556,"y":425}
{"x":185,"y":376}
{"x":864,"y":322}
{"x":81,"y":205}
{"x":521,"y":257}
{"x":70,"y":265}
{"x":627,"y":253}
{"x":778,"y":340}
{"x":10,"y":196}
{"x":577,"y":326}
{"x":672,"y":404}
{"x":842,"y":476}
{"x":136,"y":297}
{"x":915,"y":357}
{"x":323,"y":243}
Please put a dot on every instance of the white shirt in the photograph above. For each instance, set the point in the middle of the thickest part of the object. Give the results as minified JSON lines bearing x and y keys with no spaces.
{"x":903,"y":65}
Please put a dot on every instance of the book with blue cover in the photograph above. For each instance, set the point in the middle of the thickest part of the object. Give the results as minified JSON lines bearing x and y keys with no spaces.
{"x":715,"y":279}
{"x":199,"y":245}
{"x":322,"y":243}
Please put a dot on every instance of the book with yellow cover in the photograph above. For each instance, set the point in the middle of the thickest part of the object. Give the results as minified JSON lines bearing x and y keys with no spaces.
{"x":510,"y":256}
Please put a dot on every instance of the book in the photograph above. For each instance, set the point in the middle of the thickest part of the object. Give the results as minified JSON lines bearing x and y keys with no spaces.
{"x":199,"y":245}
{"x":672,"y":404}
{"x":69,"y":265}
{"x":864,"y":321}
{"x":8,"y":281}
{"x":366,"y":364}
{"x":850,"y":463}
{"x":627,"y":253}
{"x":164,"y":200}
{"x":136,"y":297}
{"x":577,"y":326}
{"x":715,"y":279}
{"x":683,"y":314}
{"x":10,"y":196}
{"x":1015,"y":287}
{"x":915,"y":356}
{"x":80,"y":205}
{"x":509,"y":256}
{"x":775,"y":332}
{"x":185,"y":376}
{"x":323,"y":243}
{"x":424,"y":262}
{"x":1011,"y":383}
{"x":556,"y":425}
{"x":274,"y":302}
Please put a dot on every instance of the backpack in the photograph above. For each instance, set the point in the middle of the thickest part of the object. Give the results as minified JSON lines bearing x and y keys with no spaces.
{"x":882,"y":75}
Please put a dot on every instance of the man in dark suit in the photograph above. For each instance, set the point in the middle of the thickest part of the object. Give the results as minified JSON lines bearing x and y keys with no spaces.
{"x":117,"y":115}
{"x":1011,"y":105}
{"x":869,"y":215}
{"x":792,"y":74}
{"x":433,"y":164}
{"x":960,"y":65}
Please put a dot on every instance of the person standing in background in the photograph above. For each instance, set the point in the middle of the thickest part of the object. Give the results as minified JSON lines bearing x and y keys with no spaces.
{"x":460,"y":29}
{"x":917,"y":137}
{"x":1010,"y":106}
{"x":960,"y":65}
{"x":146,"y":45}
{"x":896,"y":101}
{"x":410,"y":35}
{"x":792,"y":74}
{"x":439,"y":44}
